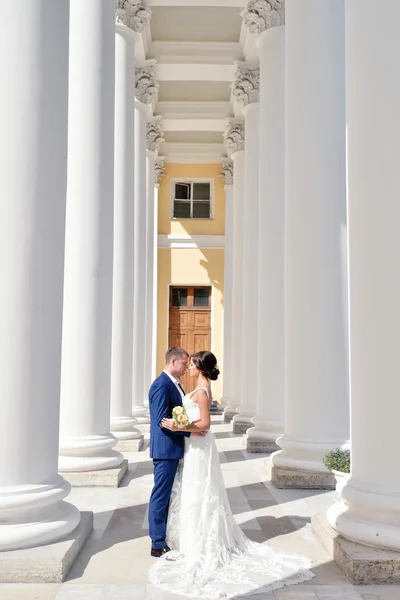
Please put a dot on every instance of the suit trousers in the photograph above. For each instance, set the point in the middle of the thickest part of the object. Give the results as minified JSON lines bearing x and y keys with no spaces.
{"x":164,"y":475}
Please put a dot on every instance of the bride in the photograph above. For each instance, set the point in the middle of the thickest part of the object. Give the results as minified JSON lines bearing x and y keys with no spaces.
{"x":210,"y":555}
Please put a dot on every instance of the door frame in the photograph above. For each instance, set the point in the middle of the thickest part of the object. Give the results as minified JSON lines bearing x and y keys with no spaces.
{"x":210,"y":285}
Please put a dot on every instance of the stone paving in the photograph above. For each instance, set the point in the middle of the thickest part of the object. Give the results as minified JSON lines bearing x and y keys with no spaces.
{"x":114,"y":563}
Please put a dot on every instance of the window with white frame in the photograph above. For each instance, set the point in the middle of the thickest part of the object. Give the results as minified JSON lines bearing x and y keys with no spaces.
{"x":192,"y":199}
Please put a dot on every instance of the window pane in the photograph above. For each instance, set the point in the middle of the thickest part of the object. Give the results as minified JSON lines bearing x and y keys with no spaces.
{"x":181,"y":209}
{"x":182,"y":191}
{"x":200,"y":297}
{"x":201,"y":210}
{"x":201,"y":191}
{"x":179,"y":296}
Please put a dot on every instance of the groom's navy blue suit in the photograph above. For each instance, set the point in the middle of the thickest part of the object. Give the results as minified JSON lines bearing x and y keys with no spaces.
{"x":166,"y":448}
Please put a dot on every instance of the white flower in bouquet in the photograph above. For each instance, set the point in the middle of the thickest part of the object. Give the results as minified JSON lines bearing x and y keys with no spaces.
{"x":180,"y":417}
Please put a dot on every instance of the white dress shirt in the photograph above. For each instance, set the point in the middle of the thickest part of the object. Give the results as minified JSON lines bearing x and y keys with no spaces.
{"x":176,"y":382}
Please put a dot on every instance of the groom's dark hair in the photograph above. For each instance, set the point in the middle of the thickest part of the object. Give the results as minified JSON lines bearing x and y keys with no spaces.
{"x":175,"y":352}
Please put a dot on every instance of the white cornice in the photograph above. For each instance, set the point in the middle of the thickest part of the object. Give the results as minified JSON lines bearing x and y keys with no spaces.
{"x":214,"y":3}
{"x":194,"y":110}
{"x":194,"y":72}
{"x":196,"y":52}
{"x":185,"y":241}
{"x":192,"y":153}
{"x":194,"y":124}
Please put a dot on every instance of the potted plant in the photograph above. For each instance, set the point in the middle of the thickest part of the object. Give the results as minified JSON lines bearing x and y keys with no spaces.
{"x":338,"y":461}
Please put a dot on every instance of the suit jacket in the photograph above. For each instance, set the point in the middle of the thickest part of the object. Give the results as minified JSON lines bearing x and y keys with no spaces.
{"x":163,"y":397}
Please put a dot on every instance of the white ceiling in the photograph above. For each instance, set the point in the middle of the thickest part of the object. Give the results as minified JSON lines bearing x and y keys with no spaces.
{"x":195,"y":43}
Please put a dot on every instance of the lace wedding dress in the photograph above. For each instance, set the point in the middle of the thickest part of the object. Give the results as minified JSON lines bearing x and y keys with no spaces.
{"x":211,"y":557}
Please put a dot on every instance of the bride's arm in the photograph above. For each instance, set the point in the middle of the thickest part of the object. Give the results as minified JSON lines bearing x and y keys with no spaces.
{"x":203,"y":424}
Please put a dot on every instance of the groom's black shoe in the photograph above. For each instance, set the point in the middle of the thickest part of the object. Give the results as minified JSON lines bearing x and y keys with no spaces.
{"x":157,"y":552}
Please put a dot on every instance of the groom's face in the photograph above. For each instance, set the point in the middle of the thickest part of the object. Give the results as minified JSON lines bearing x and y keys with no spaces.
{"x":180,"y":365}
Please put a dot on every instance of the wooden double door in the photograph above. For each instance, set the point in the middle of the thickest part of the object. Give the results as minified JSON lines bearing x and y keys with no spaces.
{"x":190,"y":321}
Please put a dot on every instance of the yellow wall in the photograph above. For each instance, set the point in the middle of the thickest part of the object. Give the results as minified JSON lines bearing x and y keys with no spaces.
{"x":200,"y":266}
{"x":215,"y":226}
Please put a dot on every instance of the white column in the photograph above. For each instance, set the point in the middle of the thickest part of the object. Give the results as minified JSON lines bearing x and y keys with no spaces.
{"x":234,"y":140}
{"x":246,"y":89}
{"x":146,"y":93}
{"x":370,"y":511}
{"x":140,"y":265}
{"x":86,"y":442}
{"x":122,"y":421}
{"x":316,"y":394}
{"x":228,"y":381}
{"x":155,"y":286}
{"x":150,"y":216}
{"x":270,"y":371}
{"x":154,"y":139}
{"x":33,"y":171}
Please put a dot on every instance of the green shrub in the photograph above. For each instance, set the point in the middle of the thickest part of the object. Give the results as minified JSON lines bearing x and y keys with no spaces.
{"x":337,"y":460}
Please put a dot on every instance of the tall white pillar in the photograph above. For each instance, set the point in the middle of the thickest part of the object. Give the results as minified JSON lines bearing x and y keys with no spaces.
{"x":86,"y":443}
{"x":122,"y":421}
{"x":228,"y":383}
{"x":154,"y":139}
{"x":246,"y":89}
{"x":234,"y":141}
{"x":33,"y":170}
{"x":146,"y":91}
{"x":370,"y":510}
{"x":316,"y":394}
{"x":270,"y":371}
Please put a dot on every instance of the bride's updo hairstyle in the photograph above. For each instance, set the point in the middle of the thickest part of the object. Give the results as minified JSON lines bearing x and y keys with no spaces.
{"x":207,"y":363}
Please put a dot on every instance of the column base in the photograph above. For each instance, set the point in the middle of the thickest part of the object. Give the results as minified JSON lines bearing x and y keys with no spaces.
{"x":49,"y":563}
{"x":241,"y":423}
{"x":102,"y":478}
{"x":229,"y":413}
{"x":134,"y":445}
{"x":260,"y":445}
{"x":216,"y":409}
{"x":141,"y":414}
{"x":88,"y":453}
{"x":362,"y":565}
{"x":299,"y":479}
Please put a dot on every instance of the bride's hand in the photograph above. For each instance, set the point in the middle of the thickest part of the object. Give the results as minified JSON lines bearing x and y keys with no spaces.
{"x":168,"y":424}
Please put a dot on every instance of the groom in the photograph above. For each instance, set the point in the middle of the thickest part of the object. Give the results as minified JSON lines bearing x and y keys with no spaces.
{"x":166,"y":447}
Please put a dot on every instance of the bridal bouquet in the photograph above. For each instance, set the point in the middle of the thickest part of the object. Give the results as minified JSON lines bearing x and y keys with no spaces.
{"x":180,"y":417}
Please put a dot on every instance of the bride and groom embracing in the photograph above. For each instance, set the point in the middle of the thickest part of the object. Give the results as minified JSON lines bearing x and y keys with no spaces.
{"x":202,"y":551}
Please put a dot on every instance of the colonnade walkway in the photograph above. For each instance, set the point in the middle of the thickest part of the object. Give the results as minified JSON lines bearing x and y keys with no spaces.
{"x":114,"y":563}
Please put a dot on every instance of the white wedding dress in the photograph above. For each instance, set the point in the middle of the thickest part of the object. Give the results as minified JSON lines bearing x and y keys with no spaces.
{"x":210,"y":555}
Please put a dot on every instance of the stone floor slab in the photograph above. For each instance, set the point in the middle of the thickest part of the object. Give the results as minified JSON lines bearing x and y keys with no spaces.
{"x":28,"y":591}
{"x":302,"y":480}
{"x":241,"y":426}
{"x":261,"y":446}
{"x":49,"y":563}
{"x":102,"y":478}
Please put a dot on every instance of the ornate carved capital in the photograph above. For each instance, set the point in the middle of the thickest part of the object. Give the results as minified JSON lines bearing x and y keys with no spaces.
{"x":227,"y":170}
{"x":134,"y":14}
{"x":154,"y":134}
{"x":260,"y":15}
{"x":159,"y":168}
{"x":246,"y":86}
{"x":234,"y":137}
{"x":146,"y":84}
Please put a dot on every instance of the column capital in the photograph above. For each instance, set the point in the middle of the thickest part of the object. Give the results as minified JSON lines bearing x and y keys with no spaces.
{"x":227,"y":170}
{"x":134,"y":14}
{"x":145,"y":83}
{"x":246,"y":85}
{"x":234,"y":137}
{"x":159,"y":168}
{"x":154,"y":134}
{"x":260,"y":15}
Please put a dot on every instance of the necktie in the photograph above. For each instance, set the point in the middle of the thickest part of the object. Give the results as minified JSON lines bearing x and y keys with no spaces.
{"x":181,"y":388}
